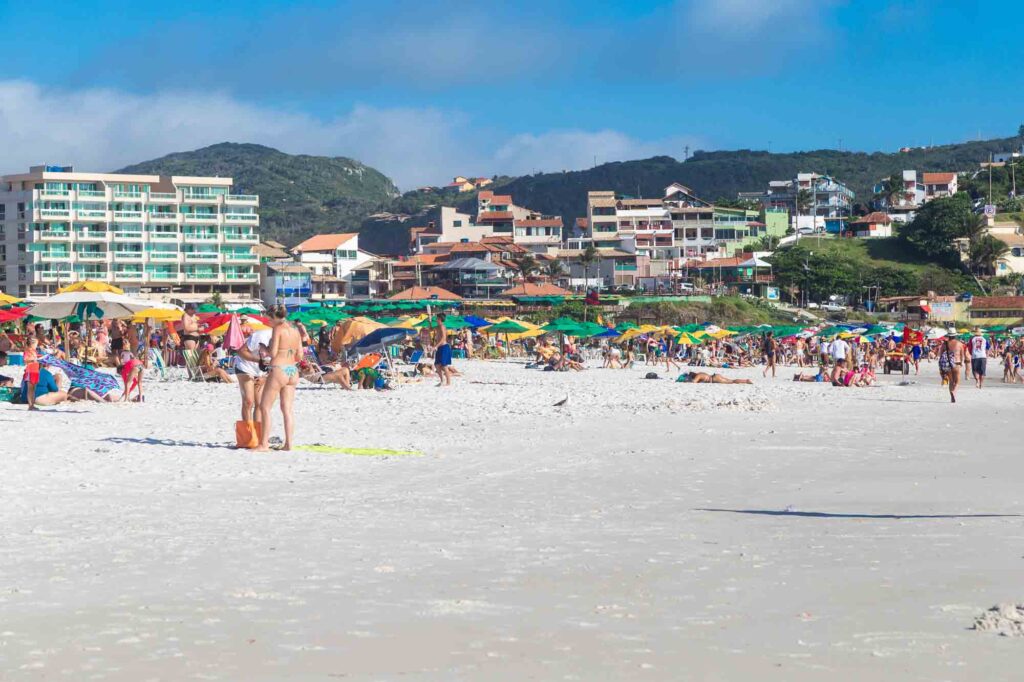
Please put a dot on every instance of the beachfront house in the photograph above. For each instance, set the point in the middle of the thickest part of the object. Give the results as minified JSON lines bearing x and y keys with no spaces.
{"x":818,"y":203}
{"x":989,"y":310}
{"x":332,"y":258}
{"x":873,"y":225}
{"x":938,"y":185}
{"x":147,"y":234}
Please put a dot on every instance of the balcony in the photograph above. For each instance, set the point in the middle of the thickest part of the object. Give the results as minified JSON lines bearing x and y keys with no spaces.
{"x":201,"y":237}
{"x":202,"y":257}
{"x":128,"y":215}
{"x":57,"y":193}
{"x":91,"y":256}
{"x":200,"y":198}
{"x":92,"y":214}
{"x":129,"y":275}
{"x":55,"y":257}
{"x":200,"y":217}
{"x":164,"y":257}
{"x":124,"y":194}
{"x":128,"y":236}
{"x":164,"y":217}
{"x":163,"y":197}
{"x":92,"y":194}
{"x":54,"y":236}
{"x":240,"y":238}
{"x":203,"y":276}
{"x":242,"y":217}
{"x":92,"y":235}
{"x":242,"y":276}
{"x":250,"y":199}
{"x":164,"y":276}
{"x":127,"y":256}
{"x":54,"y":213}
{"x":164,"y":237}
{"x":241,"y":258}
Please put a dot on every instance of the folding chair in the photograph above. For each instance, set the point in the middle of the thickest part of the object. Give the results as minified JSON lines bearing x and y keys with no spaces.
{"x":195,"y":373}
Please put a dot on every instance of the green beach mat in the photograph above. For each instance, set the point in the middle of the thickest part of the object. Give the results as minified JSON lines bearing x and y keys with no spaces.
{"x":359,"y":452}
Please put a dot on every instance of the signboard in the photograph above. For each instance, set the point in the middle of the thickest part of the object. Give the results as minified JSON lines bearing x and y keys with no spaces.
{"x":942,"y":310}
{"x":990,"y":211}
{"x":772,"y":293}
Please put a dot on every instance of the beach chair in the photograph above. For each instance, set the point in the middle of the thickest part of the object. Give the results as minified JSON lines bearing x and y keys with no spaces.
{"x":191,"y":358}
{"x":156,"y":362}
{"x":314,"y":372}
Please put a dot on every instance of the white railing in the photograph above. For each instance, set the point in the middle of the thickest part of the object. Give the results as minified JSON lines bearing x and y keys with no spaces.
{"x":163,"y":196}
{"x":200,"y":217}
{"x":163,"y":236}
{"x":91,"y":213}
{"x":164,"y":256}
{"x":92,"y":256}
{"x":127,"y":256}
{"x":244,"y":238}
{"x":242,"y":217}
{"x":55,"y":212}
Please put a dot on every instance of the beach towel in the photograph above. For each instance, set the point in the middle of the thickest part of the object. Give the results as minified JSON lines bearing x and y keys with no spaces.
{"x":81,"y":377}
{"x":359,"y":452}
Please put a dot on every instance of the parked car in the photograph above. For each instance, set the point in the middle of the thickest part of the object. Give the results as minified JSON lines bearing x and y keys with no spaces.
{"x":833,"y":308}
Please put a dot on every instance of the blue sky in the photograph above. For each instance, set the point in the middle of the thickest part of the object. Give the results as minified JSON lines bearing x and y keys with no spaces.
{"x":424,"y":91}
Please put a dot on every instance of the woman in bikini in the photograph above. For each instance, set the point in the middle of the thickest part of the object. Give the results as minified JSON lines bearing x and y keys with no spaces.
{"x":282,"y":377}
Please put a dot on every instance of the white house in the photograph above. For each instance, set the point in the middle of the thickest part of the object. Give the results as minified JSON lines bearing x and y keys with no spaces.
{"x":332,"y":255}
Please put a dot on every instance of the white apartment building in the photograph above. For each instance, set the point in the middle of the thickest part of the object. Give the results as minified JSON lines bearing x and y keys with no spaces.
{"x":147,"y":234}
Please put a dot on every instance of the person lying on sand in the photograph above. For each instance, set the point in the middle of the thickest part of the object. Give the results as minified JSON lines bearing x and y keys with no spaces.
{"x":811,"y":378}
{"x":704,"y":378}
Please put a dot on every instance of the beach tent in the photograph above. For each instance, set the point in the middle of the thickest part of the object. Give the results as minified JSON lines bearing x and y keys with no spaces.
{"x":352,"y":330}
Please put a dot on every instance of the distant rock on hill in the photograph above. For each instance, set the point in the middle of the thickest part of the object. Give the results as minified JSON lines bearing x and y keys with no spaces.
{"x":300,"y":195}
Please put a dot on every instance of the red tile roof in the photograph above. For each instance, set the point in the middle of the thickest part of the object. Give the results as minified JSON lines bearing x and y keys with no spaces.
{"x":997,"y":303}
{"x":939,"y":178}
{"x":326,"y":242}
{"x":535,"y":289}
{"x":420,"y":293}
{"x":872,"y":218}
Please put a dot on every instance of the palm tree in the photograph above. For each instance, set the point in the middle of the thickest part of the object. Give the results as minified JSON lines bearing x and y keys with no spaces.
{"x":589,"y":256}
{"x":768,"y":242}
{"x":526,"y":265}
{"x":804,"y":200}
{"x":985,"y":254}
{"x":553,"y":269}
{"x":975,"y":227}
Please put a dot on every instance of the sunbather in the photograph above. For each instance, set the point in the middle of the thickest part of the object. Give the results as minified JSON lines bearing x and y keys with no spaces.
{"x":704,"y":378}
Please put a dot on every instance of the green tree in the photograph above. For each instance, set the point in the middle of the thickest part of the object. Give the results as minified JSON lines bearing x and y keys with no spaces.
{"x":985,"y":254}
{"x":216,"y":300}
{"x":526,"y":265}
{"x":553,"y":269}
{"x":768,"y":242}
{"x":937,"y":224}
{"x":589,"y":257}
{"x":804,"y":201}
{"x":892,"y":189}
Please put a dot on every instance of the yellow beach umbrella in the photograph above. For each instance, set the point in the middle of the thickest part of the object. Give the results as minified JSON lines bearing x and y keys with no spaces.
{"x":698,"y":334}
{"x":7,"y":299}
{"x":91,"y":286}
{"x":685,"y":339}
{"x":158,"y":315}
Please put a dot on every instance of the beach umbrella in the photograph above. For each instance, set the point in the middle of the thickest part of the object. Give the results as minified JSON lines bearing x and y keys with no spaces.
{"x":234,"y":338}
{"x":89,"y":305}
{"x":623,"y":327}
{"x":13,"y":315}
{"x":505,"y":327}
{"x":7,"y":299}
{"x":385,"y":336}
{"x":475,"y":321}
{"x":91,"y":286}
{"x":224,"y":326}
{"x":248,"y":311}
{"x":159,"y":312}
{"x":1017,"y":331}
{"x":684,"y":339}
{"x":208,"y":308}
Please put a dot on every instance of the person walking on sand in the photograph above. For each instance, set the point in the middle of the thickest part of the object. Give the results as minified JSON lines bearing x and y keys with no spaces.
{"x":951,"y":359}
{"x":770,"y":348}
{"x":282,"y":377}
{"x":442,"y":352}
{"x":979,"y":357}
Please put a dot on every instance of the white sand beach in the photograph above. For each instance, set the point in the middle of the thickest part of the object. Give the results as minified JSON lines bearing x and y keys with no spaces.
{"x":638,"y":533}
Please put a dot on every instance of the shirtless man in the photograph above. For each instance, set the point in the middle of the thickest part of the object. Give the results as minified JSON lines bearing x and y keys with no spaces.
{"x":951,"y":359}
{"x":190,"y":328}
{"x":442,"y":353}
{"x":771,"y":353}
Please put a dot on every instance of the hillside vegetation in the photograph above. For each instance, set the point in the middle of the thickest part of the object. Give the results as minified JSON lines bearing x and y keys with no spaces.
{"x":300,"y":195}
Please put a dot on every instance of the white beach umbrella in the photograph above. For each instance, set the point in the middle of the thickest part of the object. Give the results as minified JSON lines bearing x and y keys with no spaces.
{"x":935,"y":333}
{"x":90,"y":305}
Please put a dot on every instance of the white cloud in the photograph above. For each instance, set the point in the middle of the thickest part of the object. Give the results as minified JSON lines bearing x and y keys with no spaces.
{"x":104,"y":129}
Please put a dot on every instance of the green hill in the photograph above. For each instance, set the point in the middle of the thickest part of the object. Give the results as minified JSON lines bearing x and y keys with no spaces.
{"x":300,"y":195}
{"x":723,"y":174}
